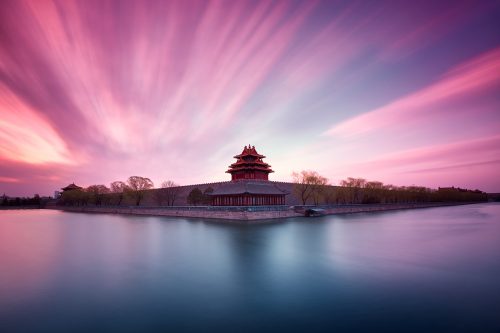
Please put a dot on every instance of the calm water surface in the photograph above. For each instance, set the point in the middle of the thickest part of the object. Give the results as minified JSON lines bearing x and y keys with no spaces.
{"x":426,"y":270}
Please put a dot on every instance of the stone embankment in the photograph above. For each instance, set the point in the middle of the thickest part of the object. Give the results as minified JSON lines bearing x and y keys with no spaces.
{"x":246,"y":213}
{"x":221,"y":214}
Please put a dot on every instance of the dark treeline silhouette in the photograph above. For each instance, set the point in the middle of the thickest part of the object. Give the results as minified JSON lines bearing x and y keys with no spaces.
{"x":309,"y":188}
{"x":197,"y":197}
{"x":134,"y":190}
{"x":312,"y":188}
{"x":34,"y":201}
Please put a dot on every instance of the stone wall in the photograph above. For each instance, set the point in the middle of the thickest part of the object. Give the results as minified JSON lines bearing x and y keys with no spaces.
{"x":245,"y":214}
{"x":181,"y":200}
{"x":221,"y":214}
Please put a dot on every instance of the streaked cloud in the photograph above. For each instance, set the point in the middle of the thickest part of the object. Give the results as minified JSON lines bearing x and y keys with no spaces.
{"x":476,"y":75}
{"x":95,"y":91}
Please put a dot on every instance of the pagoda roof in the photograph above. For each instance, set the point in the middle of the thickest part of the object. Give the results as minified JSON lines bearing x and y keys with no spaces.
{"x":249,"y":151}
{"x":71,"y":186}
{"x":242,"y":168}
{"x":248,"y":187}
{"x":249,"y":165}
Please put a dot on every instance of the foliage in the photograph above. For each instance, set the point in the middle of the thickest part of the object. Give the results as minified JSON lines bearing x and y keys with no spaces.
{"x":118,"y":190}
{"x":195,"y":197}
{"x":358,"y":190}
{"x":137,"y":187}
{"x":34,"y":201}
{"x":79,"y":197}
{"x":207,"y":199}
{"x":310,"y":187}
{"x":97,"y":194}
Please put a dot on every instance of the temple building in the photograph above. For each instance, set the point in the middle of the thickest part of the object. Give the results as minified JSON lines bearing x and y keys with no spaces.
{"x":249,"y":185}
{"x":71,"y":187}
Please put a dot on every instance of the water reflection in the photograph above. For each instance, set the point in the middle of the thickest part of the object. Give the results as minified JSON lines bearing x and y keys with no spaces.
{"x":420,"y":270}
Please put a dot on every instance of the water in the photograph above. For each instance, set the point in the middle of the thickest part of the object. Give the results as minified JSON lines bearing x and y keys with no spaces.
{"x":426,"y":270}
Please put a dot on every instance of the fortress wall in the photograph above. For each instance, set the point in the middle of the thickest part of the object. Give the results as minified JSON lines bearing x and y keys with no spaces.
{"x":181,"y":200}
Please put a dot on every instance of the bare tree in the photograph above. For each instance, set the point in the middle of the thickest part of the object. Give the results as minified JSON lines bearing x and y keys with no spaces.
{"x":170,"y":190}
{"x":373,"y":192}
{"x":138,"y":186}
{"x":308,"y":184}
{"x":119,"y":188}
{"x":354,"y":186}
{"x":330,"y":195}
{"x":97,"y":193}
{"x":318,"y":188}
{"x":301,"y":188}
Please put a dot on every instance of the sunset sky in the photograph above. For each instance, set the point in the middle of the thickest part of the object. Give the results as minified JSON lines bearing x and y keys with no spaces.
{"x":405,"y":92}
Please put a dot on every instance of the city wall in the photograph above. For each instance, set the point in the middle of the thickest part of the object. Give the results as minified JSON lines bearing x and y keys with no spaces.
{"x":150,"y":199}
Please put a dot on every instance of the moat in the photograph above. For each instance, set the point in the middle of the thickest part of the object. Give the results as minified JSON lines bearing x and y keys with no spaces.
{"x":424,"y":270}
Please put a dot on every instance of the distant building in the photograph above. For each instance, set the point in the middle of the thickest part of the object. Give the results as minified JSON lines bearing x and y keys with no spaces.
{"x":249,"y":184}
{"x":71,"y":187}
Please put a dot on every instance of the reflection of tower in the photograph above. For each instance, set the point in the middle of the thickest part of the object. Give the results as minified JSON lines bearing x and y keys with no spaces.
{"x":249,"y":165}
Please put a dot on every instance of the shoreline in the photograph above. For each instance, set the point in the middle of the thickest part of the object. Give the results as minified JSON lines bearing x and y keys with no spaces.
{"x":244,"y":214}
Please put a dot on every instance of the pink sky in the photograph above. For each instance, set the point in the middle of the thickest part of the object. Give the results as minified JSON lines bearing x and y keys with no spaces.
{"x":96,"y":91}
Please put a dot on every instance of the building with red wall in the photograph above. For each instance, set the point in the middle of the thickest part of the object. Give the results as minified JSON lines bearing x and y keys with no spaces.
{"x":249,"y":184}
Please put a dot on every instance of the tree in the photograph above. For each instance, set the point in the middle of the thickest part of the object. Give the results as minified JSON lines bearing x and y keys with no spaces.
{"x":170,"y":190}
{"x":354,"y":186}
{"x":77,"y":197}
{"x":330,"y":195}
{"x":373,"y":192}
{"x":119,"y":188}
{"x":97,"y":193}
{"x":137,"y":187}
{"x":207,"y":198}
{"x":195,"y":197}
{"x":36,"y":200}
{"x":318,"y":188}
{"x":308,"y":184}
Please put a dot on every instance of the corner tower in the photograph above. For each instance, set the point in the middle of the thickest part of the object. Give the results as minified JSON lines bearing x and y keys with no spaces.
{"x":249,"y":165}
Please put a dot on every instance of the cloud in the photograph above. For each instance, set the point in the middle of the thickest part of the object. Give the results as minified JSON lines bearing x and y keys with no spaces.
{"x":25,"y":136}
{"x":473,"y":76}
{"x":95,"y":91}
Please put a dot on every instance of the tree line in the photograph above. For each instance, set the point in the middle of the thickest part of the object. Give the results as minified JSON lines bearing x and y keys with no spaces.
{"x":308,"y":186}
{"x":312,"y":188}
{"x":197,"y":197}
{"x":34,"y":201}
{"x":134,"y":189}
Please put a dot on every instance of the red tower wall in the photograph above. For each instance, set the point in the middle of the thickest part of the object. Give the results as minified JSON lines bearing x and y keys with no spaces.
{"x":249,"y":175}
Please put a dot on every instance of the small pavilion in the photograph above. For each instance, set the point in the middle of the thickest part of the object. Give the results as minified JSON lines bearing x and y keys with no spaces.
{"x":71,"y":187}
{"x":249,"y":185}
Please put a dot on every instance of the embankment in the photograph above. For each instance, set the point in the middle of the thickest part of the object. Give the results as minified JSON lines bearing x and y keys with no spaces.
{"x":246,"y":213}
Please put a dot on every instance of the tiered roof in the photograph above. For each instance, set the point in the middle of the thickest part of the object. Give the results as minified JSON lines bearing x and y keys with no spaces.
{"x":249,"y":160}
{"x":71,"y":187}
